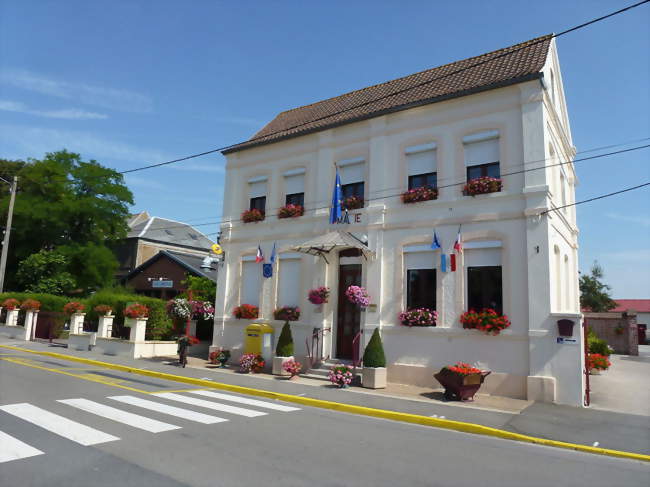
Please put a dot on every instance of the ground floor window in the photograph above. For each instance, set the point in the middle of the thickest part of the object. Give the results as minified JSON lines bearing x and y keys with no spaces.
{"x":421,"y":288}
{"x":484,"y":288}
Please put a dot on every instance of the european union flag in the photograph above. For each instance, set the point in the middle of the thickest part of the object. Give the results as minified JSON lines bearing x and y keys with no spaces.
{"x":337,"y":199}
{"x":435,"y":244}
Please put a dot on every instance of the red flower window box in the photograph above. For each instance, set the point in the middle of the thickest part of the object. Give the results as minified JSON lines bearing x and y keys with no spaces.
{"x":353,"y":203}
{"x":423,"y":193}
{"x":291,"y":211}
{"x":253,"y":215}
{"x":482,"y":185}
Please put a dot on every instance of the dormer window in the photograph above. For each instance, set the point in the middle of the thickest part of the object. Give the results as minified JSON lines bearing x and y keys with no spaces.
{"x":482,"y":155}
{"x":422,"y":166}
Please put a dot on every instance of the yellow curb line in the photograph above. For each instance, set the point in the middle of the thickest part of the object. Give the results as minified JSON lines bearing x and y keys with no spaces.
{"x":349,"y":408}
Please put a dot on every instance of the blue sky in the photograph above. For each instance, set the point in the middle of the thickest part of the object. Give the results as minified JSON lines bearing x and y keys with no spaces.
{"x":139,"y":82}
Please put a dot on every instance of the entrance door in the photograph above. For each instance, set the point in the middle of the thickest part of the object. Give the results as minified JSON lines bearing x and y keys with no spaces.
{"x":349,"y":315}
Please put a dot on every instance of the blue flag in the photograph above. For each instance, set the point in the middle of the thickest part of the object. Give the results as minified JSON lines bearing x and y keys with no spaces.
{"x":272,"y":259}
{"x":443,"y":263}
{"x":435,"y":244}
{"x":337,"y":199}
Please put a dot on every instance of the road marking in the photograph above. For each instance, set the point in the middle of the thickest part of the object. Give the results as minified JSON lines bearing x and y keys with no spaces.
{"x":77,"y":432}
{"x":109,"y":412}
{"x":166,"y":409}
{"x":14,"y":449}
{"x":88,"y":377}
{"x":249,"y":413}
{"x":245,"y":400}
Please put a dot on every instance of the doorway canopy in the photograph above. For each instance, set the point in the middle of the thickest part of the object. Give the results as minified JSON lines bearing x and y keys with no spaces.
{"x":337,"y":240}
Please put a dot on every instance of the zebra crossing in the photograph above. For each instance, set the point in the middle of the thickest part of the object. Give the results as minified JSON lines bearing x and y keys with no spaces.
{"x":157,"y":404}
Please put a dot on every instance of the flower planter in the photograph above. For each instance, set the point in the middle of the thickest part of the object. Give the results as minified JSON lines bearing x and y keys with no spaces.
{"x":374,"y":377}
{"x":459,"y":387}
{"x":594,"y":371}
{"x":278,"y":363}
{"x":565,"y":328}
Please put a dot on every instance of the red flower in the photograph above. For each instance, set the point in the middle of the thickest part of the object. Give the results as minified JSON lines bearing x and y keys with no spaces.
{"x":253,"y":215}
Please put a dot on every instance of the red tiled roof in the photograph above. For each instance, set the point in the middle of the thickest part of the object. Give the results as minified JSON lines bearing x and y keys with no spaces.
{"x":514,"y":64}
{"x":638,"y":305}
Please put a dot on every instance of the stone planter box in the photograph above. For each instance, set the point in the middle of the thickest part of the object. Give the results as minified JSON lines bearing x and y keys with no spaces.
{"x":17,"y":332}
{"x":461,"y":388}
{"x":278,"y":362}
{"x":144,"y":349}
{"x":374,"y":377}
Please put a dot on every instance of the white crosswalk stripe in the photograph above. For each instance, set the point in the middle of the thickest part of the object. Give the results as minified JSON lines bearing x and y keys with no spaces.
{"x":77,"y":432}
{"x":249,"y":413}
{"x":109,"y":412}
{"x":171,"y":410}
{"x":14,"y":449}
{"x":246,"y":400}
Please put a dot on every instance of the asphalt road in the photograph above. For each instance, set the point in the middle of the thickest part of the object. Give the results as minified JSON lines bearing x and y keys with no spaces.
{"x":91,"y":440}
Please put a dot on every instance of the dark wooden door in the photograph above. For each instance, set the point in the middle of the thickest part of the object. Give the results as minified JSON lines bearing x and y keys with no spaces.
{"x":348,"y":315}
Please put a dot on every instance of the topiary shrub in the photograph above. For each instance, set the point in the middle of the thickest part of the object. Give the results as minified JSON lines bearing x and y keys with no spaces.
{"x":285,"y":342}
{"x":374,"y":353}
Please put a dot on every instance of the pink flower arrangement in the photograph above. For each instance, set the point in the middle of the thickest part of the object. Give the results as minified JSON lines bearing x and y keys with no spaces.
{"x":358,"y":295}
{"x":482,"y":185}
{"x":251,"y":362}
{"x":291,"y":211}
{"x":340,"y":375}
{"x":292,"y":367}
{"x":202,"y":310}
{"x":319,"y":295}
{"x":419,"y":317}
{"x":423,"y":193}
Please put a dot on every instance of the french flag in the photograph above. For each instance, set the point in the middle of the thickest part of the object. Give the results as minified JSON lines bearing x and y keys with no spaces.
{"x":260,"y":256}
{"x":458,"y":244}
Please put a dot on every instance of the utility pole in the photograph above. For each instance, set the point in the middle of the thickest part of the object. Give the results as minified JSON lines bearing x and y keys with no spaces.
{"x":5,"y":241}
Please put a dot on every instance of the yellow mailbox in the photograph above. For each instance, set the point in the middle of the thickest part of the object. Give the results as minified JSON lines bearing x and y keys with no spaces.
{"x":258,"y":338}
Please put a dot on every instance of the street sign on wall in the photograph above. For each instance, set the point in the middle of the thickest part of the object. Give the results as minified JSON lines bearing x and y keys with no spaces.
{"x":159,"y":284}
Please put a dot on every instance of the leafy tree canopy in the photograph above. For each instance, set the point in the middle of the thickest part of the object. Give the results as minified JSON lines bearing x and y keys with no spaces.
{"x":203,"y":289}
{"x":594,"y":294}
{"x":45,"y":272}
{"x":74,"y":206}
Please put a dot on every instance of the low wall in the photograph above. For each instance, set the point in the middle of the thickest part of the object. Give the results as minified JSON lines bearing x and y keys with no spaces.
{"x":126,"y":348}
{"x":82,"y":341}
{"x":605,"y":325}
{"x":17,"y":332}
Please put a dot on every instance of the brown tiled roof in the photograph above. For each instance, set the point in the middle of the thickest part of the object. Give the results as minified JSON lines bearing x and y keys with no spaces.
{"x":514,"y":64}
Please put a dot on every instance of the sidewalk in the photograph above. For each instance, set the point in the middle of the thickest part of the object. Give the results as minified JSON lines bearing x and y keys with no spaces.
{"x":617,"y":431}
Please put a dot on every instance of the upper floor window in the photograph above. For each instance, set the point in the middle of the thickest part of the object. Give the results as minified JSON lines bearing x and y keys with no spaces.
{"x":352,"y":174}
{"x":257,"y":193}
{"x":484,"y":275}
{"x":482,"y":155}
{"x":422,"y":166}
{"x":294,"y":187}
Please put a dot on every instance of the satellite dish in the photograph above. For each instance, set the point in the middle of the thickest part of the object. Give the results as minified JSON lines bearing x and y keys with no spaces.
{"x":216,"y":248}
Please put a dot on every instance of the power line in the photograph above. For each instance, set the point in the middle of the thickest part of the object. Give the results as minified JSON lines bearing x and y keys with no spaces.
{"x":462,"y":183}
{"x":397,"y":92}
{"x":597,"y":198}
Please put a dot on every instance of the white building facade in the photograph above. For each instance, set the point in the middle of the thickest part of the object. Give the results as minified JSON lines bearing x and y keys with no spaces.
{"x":519,"y":251}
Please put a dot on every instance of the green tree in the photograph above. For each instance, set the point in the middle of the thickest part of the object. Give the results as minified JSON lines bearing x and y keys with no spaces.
{"x":68,"y":204}
{"x":203,"y":289}
{"x":285,"y":342}
{"x":374,"y":356}
{"x":594,"y":294}
{"x":45,"y":272}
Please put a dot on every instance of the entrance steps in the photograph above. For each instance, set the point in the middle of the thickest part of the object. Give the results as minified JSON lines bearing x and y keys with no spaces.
{"x":320,"y":371}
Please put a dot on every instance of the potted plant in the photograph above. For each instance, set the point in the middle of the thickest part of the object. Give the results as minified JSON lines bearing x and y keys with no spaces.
{"x":10,"y":304}
{"x":73,"y":307}
{"x":461,"y":381}
{"x":221,"y":356}
{"x":358,"y":295}
{"x":597,"y":362}
{"x":291,"y":211}
{"x":374,"y":363}
{"x":292,"y":367}
{"x":423,"y":193}
{"x":287,"y":313}
{"x":179,"y":309}
{"x":103,"y":310}
{"x":75,"y":310}
{"x":254,"y":215}
{"x":340,"y":375}
{"x":246,"y":311}
{"x":319,"y":295}
{"x":482,"y":185}
{"x":487,"y":320}
{"x":619,"y":330}
{"x":283,"y":350}
{"x":352,"y":203}
{"x":251,"y":362}
{"x":202,"y":310}
{"x":419,"y":317}
{"x":30,"y":305}
{"x":136,"y":311}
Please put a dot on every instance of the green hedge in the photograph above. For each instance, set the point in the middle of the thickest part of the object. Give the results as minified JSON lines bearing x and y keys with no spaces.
{"x":159,"y":325}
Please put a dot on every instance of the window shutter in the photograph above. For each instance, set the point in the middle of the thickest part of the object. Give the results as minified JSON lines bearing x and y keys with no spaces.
{"x":421,"y":162}
{"x":294,"y":184}
{"x":289,"y":285}
{"x":257,"y":189}
{"x":251,"y":283}
{"x":481,"y":148}
{"x":352,"y":172}
{"x":482,"y":257}
{"x":417,"y":257}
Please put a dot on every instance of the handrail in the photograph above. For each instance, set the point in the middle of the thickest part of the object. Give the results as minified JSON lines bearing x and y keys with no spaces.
{"x":356,"y":360}
{"x":316,"y":346}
